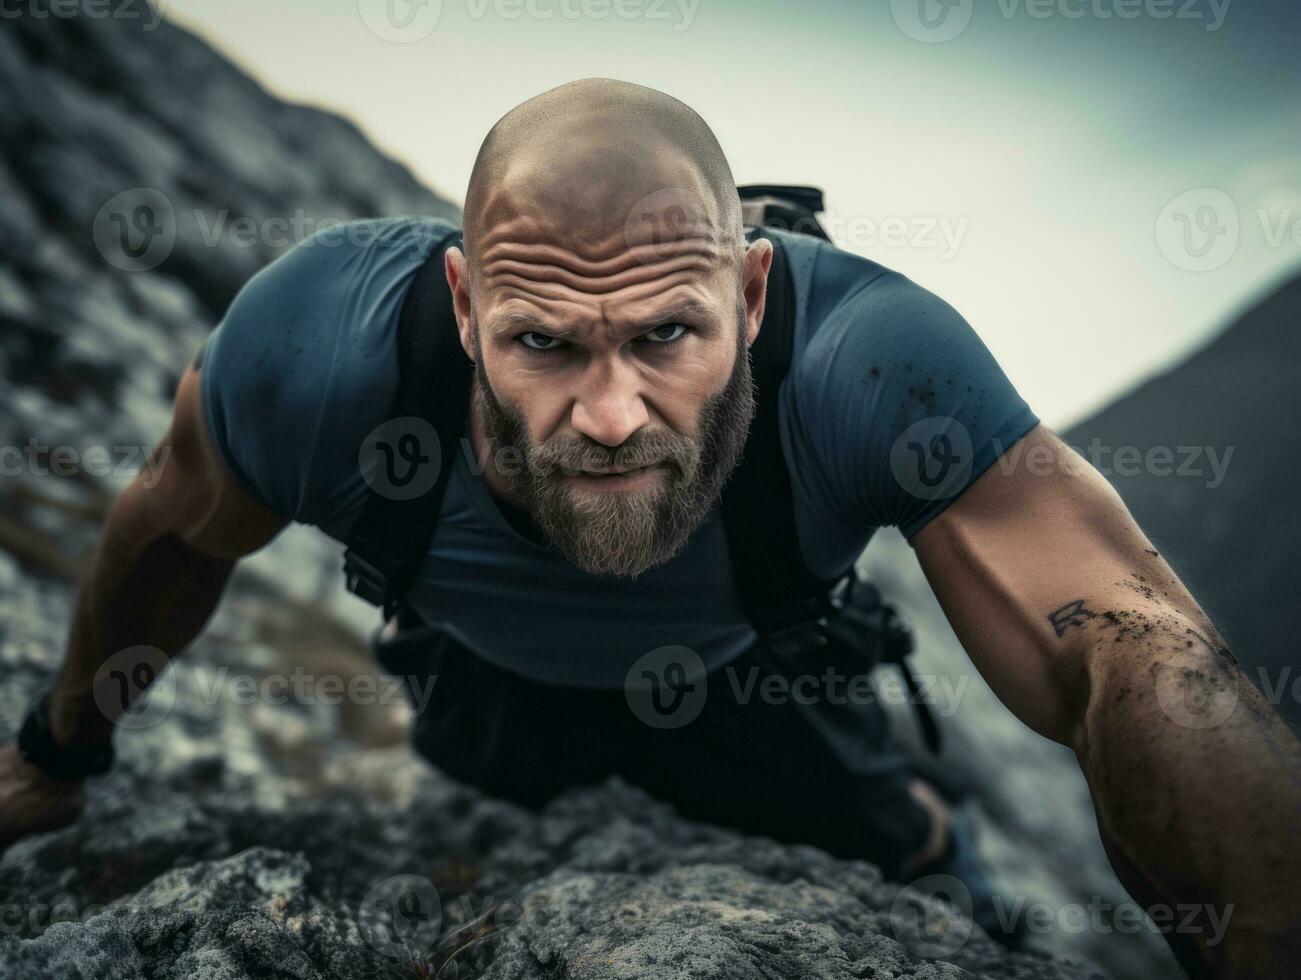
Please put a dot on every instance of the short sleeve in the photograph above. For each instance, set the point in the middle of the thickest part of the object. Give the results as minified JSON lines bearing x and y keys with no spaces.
{"x":304,"y":365}
{"x":903,"y":405}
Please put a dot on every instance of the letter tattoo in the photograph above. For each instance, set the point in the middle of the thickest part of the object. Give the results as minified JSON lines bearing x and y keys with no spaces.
{"x":1071,"y":614}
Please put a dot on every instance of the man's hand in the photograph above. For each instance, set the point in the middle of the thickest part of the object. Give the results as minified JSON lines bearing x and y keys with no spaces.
{"x":32,"y":802}
{"x":1087,"y":634}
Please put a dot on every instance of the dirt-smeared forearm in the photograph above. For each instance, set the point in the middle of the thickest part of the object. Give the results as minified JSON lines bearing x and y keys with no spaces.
{"x":1196,"y":782}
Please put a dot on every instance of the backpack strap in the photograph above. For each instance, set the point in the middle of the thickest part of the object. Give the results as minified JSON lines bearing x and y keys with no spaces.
{"x":791,"y":608}
{"x":784,"y":601}
{"x":388,"y":543}
{"x":790,"y":207}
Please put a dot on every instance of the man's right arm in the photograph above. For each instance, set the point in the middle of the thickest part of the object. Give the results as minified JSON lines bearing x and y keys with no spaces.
{"x":166,"y":551}
{"x":163,"y":559}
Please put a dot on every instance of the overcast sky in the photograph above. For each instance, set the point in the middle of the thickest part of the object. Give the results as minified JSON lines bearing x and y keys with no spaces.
{"x":1067,"y":173}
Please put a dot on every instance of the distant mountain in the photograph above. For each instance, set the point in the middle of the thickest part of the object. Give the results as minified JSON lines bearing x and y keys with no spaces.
{"x":1233,"y":534}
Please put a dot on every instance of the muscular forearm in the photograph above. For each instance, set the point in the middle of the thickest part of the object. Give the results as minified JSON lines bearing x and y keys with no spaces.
{"x":146,"y":587}
{"x":1197,"y":785}
{"x":1085,"y":631}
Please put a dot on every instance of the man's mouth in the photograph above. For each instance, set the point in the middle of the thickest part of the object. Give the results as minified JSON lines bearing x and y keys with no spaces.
{"x":615,"y":477}
{"x":613,"y":470}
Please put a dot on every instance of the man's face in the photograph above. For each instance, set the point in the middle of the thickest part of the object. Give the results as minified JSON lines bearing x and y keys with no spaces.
{"x":613,"y":382}
{"x":618,"y":510}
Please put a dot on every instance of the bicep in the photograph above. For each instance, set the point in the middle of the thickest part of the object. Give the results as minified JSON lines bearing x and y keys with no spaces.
{"x":1030,"y":563}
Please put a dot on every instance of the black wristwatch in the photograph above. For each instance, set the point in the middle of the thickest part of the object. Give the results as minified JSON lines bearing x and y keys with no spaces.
{"x":36,"y":745}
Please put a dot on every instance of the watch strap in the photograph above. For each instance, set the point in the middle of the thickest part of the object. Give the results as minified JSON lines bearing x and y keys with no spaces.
{"x":37,"y":746}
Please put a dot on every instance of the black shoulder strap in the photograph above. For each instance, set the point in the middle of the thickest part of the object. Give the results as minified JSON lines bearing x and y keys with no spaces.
{"x":781,"y":597}
{"x":389,"y":541}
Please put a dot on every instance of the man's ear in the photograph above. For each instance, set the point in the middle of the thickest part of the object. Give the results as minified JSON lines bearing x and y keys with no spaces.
{"x":457,"y":269}
{"x":754,"y":285}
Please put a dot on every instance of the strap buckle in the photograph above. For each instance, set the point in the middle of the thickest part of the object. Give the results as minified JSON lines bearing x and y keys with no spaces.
{"x":808,"y":631}
{"x":797,"y":638}
{"x":364,"y":579}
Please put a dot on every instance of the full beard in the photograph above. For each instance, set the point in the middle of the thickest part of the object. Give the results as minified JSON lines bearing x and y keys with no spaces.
{"x":622,"y":533}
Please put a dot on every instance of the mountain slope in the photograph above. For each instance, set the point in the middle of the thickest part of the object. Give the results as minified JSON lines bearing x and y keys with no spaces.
{"x":108,"y":130}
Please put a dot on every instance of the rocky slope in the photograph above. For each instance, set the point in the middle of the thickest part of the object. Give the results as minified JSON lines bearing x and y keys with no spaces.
{"x":247,"y":841}
{"x":243,"y":838}
{"x":145,"y":180}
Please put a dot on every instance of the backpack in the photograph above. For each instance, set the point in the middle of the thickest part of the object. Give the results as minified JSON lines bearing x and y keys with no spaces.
{"x":791,"y":609}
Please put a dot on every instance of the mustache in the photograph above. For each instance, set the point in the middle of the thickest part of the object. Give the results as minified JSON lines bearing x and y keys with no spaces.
{"x":574,"y":454}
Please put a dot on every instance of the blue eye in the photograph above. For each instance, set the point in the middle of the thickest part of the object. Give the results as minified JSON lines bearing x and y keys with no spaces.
{"x":548,"y":343}
{"x":656,"y":336}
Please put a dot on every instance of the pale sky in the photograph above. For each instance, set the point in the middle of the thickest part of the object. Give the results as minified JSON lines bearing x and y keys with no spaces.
{"x":1021,"y":169}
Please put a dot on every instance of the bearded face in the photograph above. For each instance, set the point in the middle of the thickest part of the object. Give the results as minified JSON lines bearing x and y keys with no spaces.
{"x":648,"y":519}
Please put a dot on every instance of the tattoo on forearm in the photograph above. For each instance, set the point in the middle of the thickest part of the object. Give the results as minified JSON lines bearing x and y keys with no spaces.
{"x":1072,"y":614}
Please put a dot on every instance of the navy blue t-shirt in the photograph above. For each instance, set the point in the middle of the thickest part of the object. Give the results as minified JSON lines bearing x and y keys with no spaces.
{"x":891,"y":408}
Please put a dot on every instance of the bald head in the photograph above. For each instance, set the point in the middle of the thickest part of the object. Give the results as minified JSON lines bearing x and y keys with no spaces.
{"x":608,"y":299}
{"x":604,"y":165}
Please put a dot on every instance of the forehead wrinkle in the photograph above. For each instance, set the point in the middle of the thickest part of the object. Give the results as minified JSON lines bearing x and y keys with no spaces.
{"x":568,"y":240}
{"x":549,"y":262}
{"x":551,"y":280}
{"x":515,"y":289}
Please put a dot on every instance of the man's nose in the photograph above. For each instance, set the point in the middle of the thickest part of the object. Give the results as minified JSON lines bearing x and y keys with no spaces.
{"x":609,"y":407}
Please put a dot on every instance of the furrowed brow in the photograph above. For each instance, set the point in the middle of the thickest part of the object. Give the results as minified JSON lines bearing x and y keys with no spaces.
{"x":691,"y":310}
{"x":523,"y":320}
{"x":688,"y":310}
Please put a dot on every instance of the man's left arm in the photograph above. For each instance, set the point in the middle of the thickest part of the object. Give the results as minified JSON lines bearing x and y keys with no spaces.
{"x":1087,"y":634}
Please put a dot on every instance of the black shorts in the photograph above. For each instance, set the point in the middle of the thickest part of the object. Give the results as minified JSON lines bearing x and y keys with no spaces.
{"x":821,"y":770}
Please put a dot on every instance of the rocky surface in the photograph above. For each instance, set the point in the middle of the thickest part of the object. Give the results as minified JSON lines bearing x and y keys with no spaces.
{"x":236,"y":839}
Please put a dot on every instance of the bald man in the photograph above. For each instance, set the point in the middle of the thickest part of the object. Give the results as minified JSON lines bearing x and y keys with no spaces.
{"x":608,"y":294}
